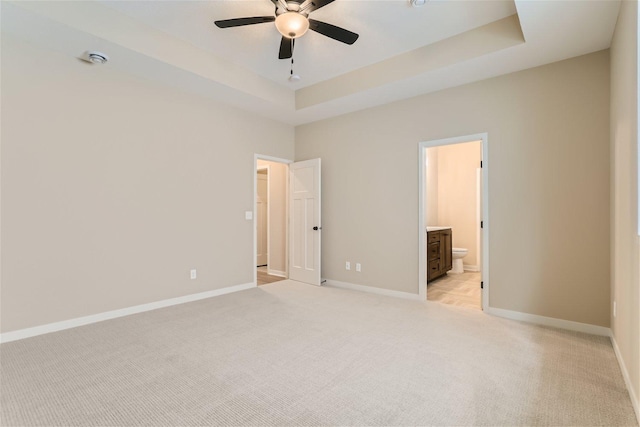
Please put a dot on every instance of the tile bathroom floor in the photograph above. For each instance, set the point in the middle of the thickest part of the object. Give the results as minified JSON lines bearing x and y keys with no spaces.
{"x":456,"y":289}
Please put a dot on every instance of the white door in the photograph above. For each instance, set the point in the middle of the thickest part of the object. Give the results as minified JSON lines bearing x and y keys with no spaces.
{"x":261,"y":219}
{"x":305,"y":225}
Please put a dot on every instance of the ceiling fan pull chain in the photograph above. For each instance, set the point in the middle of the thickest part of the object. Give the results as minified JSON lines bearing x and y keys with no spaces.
{"x":293,"y":78}
{"x":293,"y":44}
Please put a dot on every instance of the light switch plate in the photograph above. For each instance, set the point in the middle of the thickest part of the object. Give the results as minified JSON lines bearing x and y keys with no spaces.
{"x":248,"y":215}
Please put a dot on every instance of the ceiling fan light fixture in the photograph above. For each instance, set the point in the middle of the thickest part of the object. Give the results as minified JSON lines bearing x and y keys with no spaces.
{"x":292,"y":24}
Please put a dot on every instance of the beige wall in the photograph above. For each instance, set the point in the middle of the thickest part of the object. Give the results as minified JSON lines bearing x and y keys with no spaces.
{"x":114,"y":187}
{"x":278,"y":174}
{"x":625,"y":254}
{"x":548,"y":131}
{"x":457,"y":166}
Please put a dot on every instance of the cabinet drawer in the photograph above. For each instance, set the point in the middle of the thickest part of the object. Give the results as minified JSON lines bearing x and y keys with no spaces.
{"x":434,"y":268}
{"x":433,"y":236}
{"x":433,"y":251}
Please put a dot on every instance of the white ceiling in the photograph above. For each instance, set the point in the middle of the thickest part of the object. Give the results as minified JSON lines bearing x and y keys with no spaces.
{"x":401,"y":52}
{"x":386,"y":28}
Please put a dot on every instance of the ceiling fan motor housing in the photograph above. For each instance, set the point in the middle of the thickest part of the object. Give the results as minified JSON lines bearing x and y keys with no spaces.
{"x":291,"y":6}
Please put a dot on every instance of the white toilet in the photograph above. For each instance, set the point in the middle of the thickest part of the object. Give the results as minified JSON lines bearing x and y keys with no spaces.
{"x":457,"y":254}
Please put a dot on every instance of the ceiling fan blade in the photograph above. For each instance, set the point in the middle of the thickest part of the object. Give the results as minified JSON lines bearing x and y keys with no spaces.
{"x":332,"y":31}
{"x":239,"y":22}
{"x":317,"y":4}
{"x":286,"y":48}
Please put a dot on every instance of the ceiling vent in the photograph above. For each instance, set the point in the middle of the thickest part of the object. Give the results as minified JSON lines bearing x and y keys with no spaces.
{"x":95,"y":57}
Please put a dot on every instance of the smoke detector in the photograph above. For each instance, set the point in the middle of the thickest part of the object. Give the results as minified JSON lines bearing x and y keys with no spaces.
{"x":95,"y":57}
{"x":417,"y":3}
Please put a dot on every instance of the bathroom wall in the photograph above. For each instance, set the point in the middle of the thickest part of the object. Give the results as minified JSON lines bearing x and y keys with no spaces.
{"x":431,"y":196}
{"x":277,"y":216}
{"x":457,"y":195}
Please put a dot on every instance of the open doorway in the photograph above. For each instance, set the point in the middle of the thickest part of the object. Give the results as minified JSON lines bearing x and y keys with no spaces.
{"x":271,"y":212}
{"x":293,"y":220}
{"x":453,"y":221}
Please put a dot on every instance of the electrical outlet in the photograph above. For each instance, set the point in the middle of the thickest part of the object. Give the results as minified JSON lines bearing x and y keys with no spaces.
{"x":358,"y":267}
{"x":614,"y":309}
{"x":347,"y":266}
{"x":194,"y":274}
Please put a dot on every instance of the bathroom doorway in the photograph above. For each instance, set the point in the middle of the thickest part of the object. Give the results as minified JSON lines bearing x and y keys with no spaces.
{"x":271,"y":210}
{"x":453,"y":221}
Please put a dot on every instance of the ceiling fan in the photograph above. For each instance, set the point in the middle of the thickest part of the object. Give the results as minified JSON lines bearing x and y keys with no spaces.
{"x":292,"y":21}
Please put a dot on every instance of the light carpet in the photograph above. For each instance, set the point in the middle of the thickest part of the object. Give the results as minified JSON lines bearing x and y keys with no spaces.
{"x":294,"y":354}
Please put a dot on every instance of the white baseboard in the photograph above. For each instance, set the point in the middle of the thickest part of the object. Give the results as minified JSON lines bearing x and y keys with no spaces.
{"x":470,"y":267}
{"x":550,"y":321}
{"x":372,"y":290}
{"x":276,"y":273}
{"x":94,"y":318}
{"x":627,"y":379}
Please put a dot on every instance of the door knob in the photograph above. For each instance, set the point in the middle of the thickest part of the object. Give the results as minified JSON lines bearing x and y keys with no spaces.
{"x":316,"y":228}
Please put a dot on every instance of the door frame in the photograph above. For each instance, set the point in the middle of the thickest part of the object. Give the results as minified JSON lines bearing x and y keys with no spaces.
{"x":422,"y":203}
{"x":287,"y":162}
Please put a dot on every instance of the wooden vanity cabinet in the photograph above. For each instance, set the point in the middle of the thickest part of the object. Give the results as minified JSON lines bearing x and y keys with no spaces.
{"x":439,"y":253}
